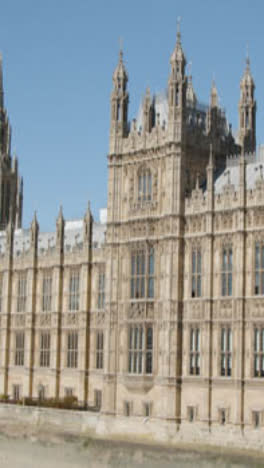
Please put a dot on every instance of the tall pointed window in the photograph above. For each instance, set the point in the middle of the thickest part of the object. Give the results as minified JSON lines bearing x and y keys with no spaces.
{"x":99,"y":350}
{"x":259,"y":269}
{"x":21,"y":292}
{"x":140,"y":349}
{"x":19,"y":348}
{"x":195,"y":351}
{"x":142,"y":273}
{"x":101,"y":290}
{"x":227,"y":266}
{"x":72,"y":350}
{"x":226,"y":351}
{"x":144,"y":185}
{"x":46,"y":292}
{"x":196,"y":273}
{"x":259,"y":352}
{"x":74,"y":293}
{"x":44,"y":360}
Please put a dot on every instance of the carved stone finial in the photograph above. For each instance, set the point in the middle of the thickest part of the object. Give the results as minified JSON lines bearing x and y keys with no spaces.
{"x":178,"y":29}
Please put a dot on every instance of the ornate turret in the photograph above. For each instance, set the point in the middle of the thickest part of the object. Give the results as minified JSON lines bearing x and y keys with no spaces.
{"x":247,"y":111}
{"x":148,"y":112}
{"x":119,"y":104}
{"x":191,"y":99}
{"x":177,"y":91}
{"x":214,"y":112}
{"x":10,"y":199}
{"x":34,"y":232}
{"x":213,"y":95}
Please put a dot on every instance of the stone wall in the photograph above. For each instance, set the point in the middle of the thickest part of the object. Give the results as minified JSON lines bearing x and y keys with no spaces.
{"x":20,"y":421}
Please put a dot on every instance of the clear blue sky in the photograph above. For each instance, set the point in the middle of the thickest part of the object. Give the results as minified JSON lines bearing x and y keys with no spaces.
{"x":59,"y":56}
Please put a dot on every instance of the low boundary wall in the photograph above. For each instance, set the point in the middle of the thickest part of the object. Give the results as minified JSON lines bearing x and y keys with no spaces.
{"x":20,"y":421}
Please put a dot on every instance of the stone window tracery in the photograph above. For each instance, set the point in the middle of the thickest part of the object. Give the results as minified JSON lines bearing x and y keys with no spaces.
{"x":74,"y":290}
{"x":142,"y":273}
{"x":144,"y":185}
{"x":101,"y":290}
{"x":99,"y":349}
{"x":195,"y":351}
{"x":46,"y":292}
{"x":19,"y":348}
{"x":72,"y":350}
{"x":258,"y":352}
{"x":44,"y":360}
{"x":21,"y":292}
{"x":227,"y":267}
{"x":140,"y":344}
{"x":259,"y":268}
{"x":226,"y":352}
{"x":196,"y":273}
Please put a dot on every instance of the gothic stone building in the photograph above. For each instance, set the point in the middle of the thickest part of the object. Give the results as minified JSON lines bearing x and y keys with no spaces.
{"x":159,"y":310}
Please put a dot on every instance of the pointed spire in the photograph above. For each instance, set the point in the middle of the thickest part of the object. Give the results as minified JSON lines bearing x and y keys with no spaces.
{"x":190,"y":94}
{"x":177,"y":54}
{"x":178,"y":41}
{"x":60,"y":215}
{"x":120,"y":72}
{"x":88,"y":221}
{"x":213,"y":95}
{"x":247,"y":78}
{"x":34,"y":231}
{"x":34,"y":223}
{"x":247,"y":59}
{"x":60,"y":231}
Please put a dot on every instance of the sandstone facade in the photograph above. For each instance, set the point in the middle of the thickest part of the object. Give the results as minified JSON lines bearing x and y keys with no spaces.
{"x":158,"y":312}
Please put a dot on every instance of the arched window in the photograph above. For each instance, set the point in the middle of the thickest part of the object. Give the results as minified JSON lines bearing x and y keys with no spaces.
{"x":142,"y":273}
{"x":145,"y":185}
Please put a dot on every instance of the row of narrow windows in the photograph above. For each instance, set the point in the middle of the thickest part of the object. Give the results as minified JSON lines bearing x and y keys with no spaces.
{"x":46,"y":299}
{"x":142,"y":279}
{"x":140,"y":350}
{"x":45,"y":349}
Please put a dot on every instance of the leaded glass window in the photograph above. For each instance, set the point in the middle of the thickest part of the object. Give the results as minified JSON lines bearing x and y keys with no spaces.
{"x":145,"y":185}
{"x":259,"y":269}
{"x":19,"y":348}
{"x":140,"y":352}
{"x":72,"y":350}
{"x":21,"y":292}
{"x":142,"y":273}
{"x":44,"y":360}
{"x":46,"y":292}
{"x":74,"y":290}
{"x":195,"y":351}
{"x":226,"y":351}
{"x":259,"y":352}
{"x":99,"y":350}
{"x":196,"y":273}
{"x":227,"y":266}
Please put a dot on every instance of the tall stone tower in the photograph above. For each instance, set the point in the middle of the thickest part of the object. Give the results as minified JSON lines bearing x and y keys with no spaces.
{"x":247,"y":112}
{"x":119,"y":104}
{"x":177,"y":92}
{"x":11,"y":185}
